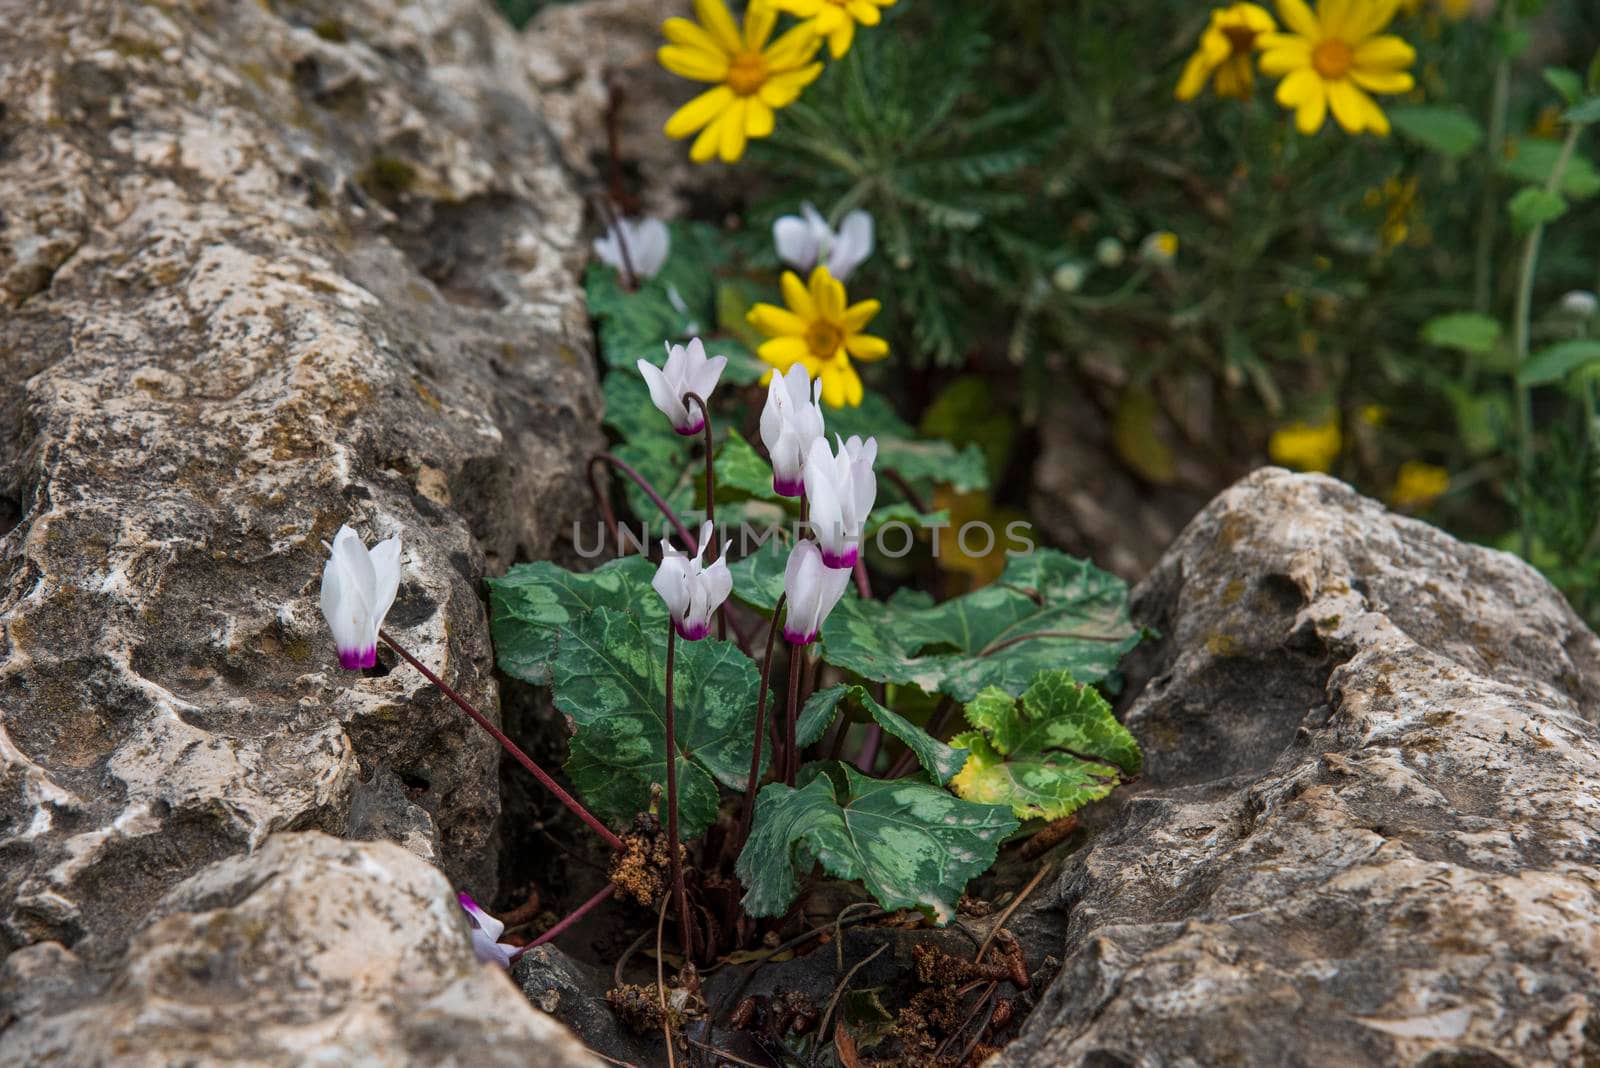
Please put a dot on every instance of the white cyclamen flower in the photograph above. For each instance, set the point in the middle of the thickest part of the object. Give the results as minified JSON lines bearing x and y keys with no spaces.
{"x":812,"y":589}
{"x":486,"y":931}
{"x":841,"y":489}
{"x":357,"y":589}
{"x":1580,"y":303}
{"x":806,"y":240}
{"x":688,"y":370}
{"x":648,"y":241}
{"x":790,"y":422}
{"x":693,"y":591}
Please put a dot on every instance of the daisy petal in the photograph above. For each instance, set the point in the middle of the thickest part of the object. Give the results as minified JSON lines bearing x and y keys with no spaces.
{"x":1384,"y":53}
{"x":758,"y":118}
{"x":1383,"y":81}
{"x":783,"y":352}
{"x":759,"y":19}
{"x":690,"y":34}
{"x":713,"y":15}
{"x":796,"y":296}
{"x":1286,"y":54}
{"x":1298,"y":17}
{"x":696,"y":63}
{"x":774,"y":321}
{"x":866,"y":347}
{"x":860,"y":314}
{"x":699,"y":111}
{"x":730,"y":145}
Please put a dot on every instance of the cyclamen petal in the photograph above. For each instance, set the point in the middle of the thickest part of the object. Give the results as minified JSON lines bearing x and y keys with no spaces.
{"x":841,"y":488}
{"x":648,"y":241}
{"x":358,"y":588}
{"x":790,"y":421}
{"x":803,"y":241}
{"x":691,"y":590}
{"x":812,"y":589}
{"x":687,"y":370}
{"x":486,"y":932}
{"x":852,"y":246}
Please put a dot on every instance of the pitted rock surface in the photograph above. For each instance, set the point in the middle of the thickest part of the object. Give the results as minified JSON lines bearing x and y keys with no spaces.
{"x":1369,"y":830}
{"x":311,"y":950}
{"x":264,"y":269}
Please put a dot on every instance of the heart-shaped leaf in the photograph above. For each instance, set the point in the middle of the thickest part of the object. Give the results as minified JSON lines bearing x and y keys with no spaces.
{"x":534,"y":603}
{"x":1048,"y":610}
{"x":1048,"y":754}
{"x":911,"y":843}
{"x":609,"y":677}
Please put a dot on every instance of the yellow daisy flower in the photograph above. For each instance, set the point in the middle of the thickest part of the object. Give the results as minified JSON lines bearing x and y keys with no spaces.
{"x":1224,"y":50}
{"x":835,"y":19}
{"x":821,"y":331}
{"x":1418,"y":485}
{"x":1306,"y":447}
{"x":752,"y":78}
{"x":1333,"y":58}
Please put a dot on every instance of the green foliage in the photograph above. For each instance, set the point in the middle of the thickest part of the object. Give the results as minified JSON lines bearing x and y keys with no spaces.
{"x":1049,"y":753}
{"x":1449,"y":131}
{"x":937,"y":759}
{"x":534,"y":603}
{"x":608,"y":676}
{"x":910,"y":842}
{"x":1048,"y":610}
{"x":1558,"y":361}
{"x":933,"y":160}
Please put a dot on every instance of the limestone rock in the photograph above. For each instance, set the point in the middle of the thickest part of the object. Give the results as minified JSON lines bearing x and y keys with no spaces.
{"x":1370,"y":826}
{"x":595,"y":65}
{"x":265,"y":268}
{"x":311,"y":950}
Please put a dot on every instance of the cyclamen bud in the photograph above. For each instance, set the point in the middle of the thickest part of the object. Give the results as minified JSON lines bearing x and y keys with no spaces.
{"x":648,"y":242}
{"x":1580,"y":303}
{"x":688,"y":370}
{"x":486,"y":932}
{"x":841,"y":489}
{"x":790,"y":423}
{"x":812,"y":588}
{"x":693,"y":592}
{"x":358,"y":587}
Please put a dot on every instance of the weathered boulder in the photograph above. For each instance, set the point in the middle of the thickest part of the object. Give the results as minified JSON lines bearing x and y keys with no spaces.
{"x":1369,"y":832}
{"x":310,"y":950}
{"x":264,"y":269}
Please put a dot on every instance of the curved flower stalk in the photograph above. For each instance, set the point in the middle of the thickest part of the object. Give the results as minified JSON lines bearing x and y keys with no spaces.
{"x":358,"y":588}
{"x":751,"y":77}
{"x":806,"y":241}
{"x":688,"y":370}
{"x":820,"y":331}
{"x":486,"y":932}
{"x":812,"y":589}
{"x":791,"y":422}
{"x":1225,"y":50}
{"x":640,"y":245}
{"x":1331,"y":59}
{"x":836,"y":20}
{"x":693,"y":591}
{"x":841,"y":488}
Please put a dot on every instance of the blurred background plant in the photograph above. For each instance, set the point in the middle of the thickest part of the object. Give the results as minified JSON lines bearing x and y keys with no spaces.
{"x":1058,"y":232}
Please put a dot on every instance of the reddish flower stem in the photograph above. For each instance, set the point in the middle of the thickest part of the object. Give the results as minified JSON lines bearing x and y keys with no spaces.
{"x":643,"y":483}
{"x":567,"y":921}
{"x":678,"y":892}
{"x":791,"y":752}
{"x":630,"y":277}
{"x":602,"y":498}
{"x":761,"y":728}
{"x":511,"y":747}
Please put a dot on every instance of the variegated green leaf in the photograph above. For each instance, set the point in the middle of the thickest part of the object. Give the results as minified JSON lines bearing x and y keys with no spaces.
{"x":1049,"y":753}
{"x":938,"y":759}
{"x":1048,"y":610}
{"x":911,"y":843}
{"x":758,"y":577}
{"x":609,"y":677}
{"x":533,"y":603}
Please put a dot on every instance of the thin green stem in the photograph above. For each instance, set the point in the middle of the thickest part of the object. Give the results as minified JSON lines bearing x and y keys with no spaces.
{"x":1521,"y":330}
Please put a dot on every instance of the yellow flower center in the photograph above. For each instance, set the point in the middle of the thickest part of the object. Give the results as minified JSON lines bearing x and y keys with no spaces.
{"x":1333,"y":59}
{"x":747,"y":73}
{"x":1241,"y":38}
{"x":823,"y":339}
